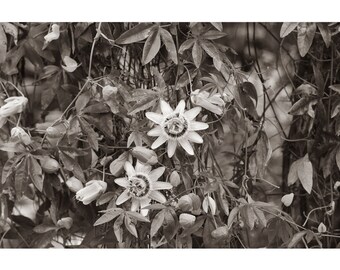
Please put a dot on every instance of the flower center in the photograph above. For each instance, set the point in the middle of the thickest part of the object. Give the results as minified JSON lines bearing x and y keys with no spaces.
{"x":175,"y":125}
{"x":139,"y":186}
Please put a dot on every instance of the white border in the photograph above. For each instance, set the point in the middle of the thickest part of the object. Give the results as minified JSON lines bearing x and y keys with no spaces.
{"x":170,"y":10}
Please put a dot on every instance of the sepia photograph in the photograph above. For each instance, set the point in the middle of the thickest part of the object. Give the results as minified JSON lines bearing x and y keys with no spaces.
{"x":142,"y":134}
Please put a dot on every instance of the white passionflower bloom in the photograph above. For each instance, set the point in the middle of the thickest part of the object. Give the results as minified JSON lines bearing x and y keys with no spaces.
{"x":13,"y":106}
{"x":213,"y":103}
{"x":141,"y":186}
{"x":176,"y":126}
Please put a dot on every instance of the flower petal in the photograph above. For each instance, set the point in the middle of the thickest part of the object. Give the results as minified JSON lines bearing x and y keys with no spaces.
{"x":157,"y":196}
{"x":161,"y":185}
{"x":192,"y":113}
{"x":134,"y":204}
{"x":187,"y":146}
{"x":172,"y":145}
{"x":142,"y":168}
{"x":157,"y":143}
{"x":155,"y":132}
{"x":130,"y":171}
{"x":143,"y":203}
{"x":194,"y":137}
{"x":180,"y":107}
{"x":123,"y":182}
{"x":123,"y":197}
{"x":194,"y":125}
{"x":156,"y":173}
{"x":155,"y":117}
{"x":165,"y":108}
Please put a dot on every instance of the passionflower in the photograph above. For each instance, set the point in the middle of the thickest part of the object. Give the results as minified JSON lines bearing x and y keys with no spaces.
{"x":13,"y":106}
{"x":18,"y":134}
{"x":141,"y":186}
{"x":213,"y":103}
{"x":91,"y":191}
{"x":176,"y":126}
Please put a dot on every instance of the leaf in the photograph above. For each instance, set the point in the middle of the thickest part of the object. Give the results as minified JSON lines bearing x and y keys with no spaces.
{"x":305,"y":89}
{"x":11,"y":30}
{"x":287,"y":28}
{"x":335,"y":87}
{"x":263,"y":153}
{"x":337,"y":157}
{"x":137,"y":33}
{"x":306,"y":33}
{"x":3,"y":45}
{"x":218,"y":25}
{"x":157,"y":222}
{"x":21,"y":177}
{"x":232,"y":216}
{"x":305,"y":173}
{"x":35,"y":173}
{"x":210,"y":49}
{"x":43,"y":228}
{"x":117,"y":166}
{"x":105,"y":198}
{"x":118,"y":231}
{"x":249,"y":89}
{"x":292,"y":175}
{"x":72,"y":165}
{"x":186,"y":45}
{"x":143,"y":105}
{"x":303,"y":106}
{"x":260,"y":216}
{"x":296,"y":239}
{"x":108,"y":216}
{"x":151,"y":46}
{"x":287,"y":199}
{"x":97,"y":108}
{"x":137,"y":216}
{"x":145,"y":155}
{"x":130,"y":226}
{"x":197,"y":54}
{"x":169,"y":45}
{"x":325,"y":33}
{"x":170,"y":224}
{"x":92,"y":136}
{"x":82,"y":101}
{"x":213,"y":34}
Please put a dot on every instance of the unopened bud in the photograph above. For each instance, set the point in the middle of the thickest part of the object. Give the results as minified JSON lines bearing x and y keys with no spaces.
{"x":65,"y":222}
{"x":50,"y":165}
{"x":186,"y":220}
{"x":74,"y":184}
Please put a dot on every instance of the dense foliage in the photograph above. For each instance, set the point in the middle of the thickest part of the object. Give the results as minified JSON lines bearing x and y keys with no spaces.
{"x":169,"y":135}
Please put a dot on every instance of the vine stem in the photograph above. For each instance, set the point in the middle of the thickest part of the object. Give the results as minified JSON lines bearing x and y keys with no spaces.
{"x":97,"y":36}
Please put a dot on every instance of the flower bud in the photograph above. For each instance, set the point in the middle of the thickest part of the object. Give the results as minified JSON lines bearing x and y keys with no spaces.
{"x":175,"y":179}
{"x":53,"y":116}
{"x":50,"y":165}
{"x":213,"y":103}
{"x":145,"y":155}
{"x":17,"y":133}
{"x":109,"y":90}
{"x":91,"y":191}
{"x":196,"y":203}
{"x":74,"y":184}
{"x":322,"y":228}
{"x":186,"y":220}
{"x":70,"y":64}
{"x":56,"y":131}
{"x":220,"y":232}
{"x":65,"y":222}
{"x":209,"y":203}
{"x":185,"y":203}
